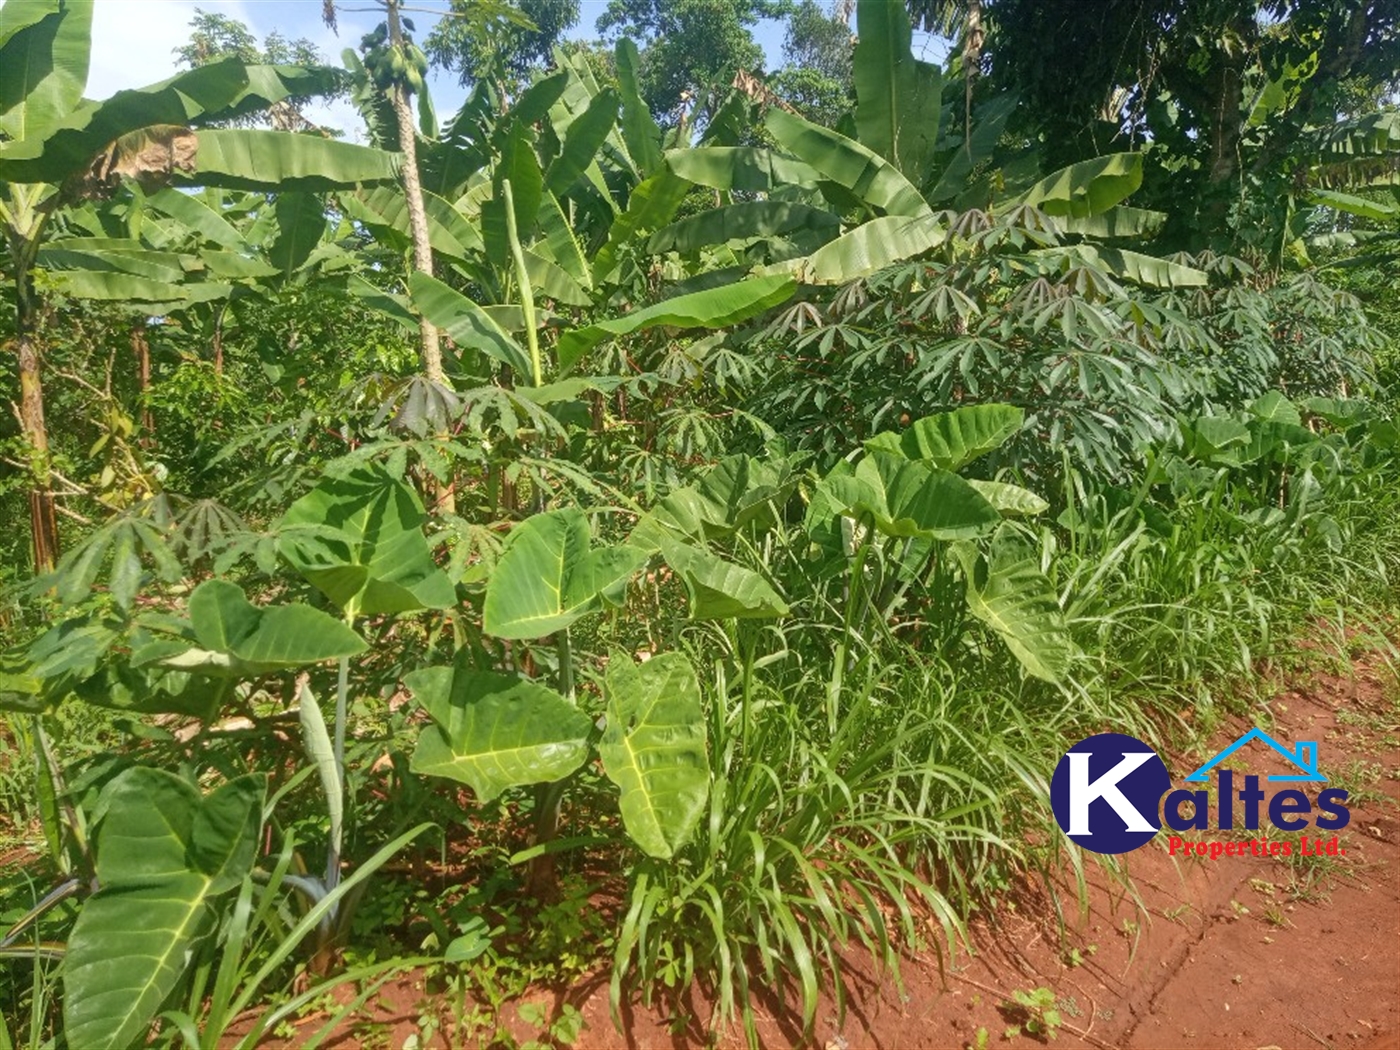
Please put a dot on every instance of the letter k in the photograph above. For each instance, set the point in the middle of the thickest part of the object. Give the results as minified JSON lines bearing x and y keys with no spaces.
{"x":1082,"y":792}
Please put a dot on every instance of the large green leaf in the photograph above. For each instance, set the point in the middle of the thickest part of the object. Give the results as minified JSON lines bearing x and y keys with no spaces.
{"x":43,"y":65}
{"x":898,"y":98}
{"x":909,"y":498}
{"x":870,"y":246}
{"x":719,"y":589}
{"x":227,"y":88}
{"x":713,"y":308}
{"x":1133,"y":266}
{"x":163,"y":855}
{"x":951,"y":440}
{"x":111,"y":255}
{"x":301,"y":223}
{"x":750,"y":169}
{"x":584,"y":138}
{"x":744,"y":220}
{"x":847,"y":163}
{"x":734,"y":492}
{"x":639,"y":130}
{"x":21,"y":15}
{"x":548,"y":576}
{"x":1118,"y":223}
{"x":134,"y":291}
{"x":494,"y":731}
{"x":265,"y":638}
{"x":384,"y":210}
{"x":654,"y":749}
{"x":650,"y":205}
{"x":1008,"y":592}
{"x":253,"y":159}
{"x":1010,"y":499}
{"x":1090,"y":187}
{"x":359,"y":539}
{"x":197,"y":216}
{"x":466,"y":323}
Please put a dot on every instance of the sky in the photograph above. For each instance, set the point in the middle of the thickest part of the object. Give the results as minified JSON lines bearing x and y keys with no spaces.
{"x":133,"y":42}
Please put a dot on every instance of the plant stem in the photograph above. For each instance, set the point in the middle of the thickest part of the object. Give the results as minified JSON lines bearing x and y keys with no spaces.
{"x":522,"y":281}
{"x":342,"y":691}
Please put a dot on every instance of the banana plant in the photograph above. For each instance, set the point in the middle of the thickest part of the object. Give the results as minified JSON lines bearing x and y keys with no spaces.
{"x":57,"y":147}
{"x":837,"y":206}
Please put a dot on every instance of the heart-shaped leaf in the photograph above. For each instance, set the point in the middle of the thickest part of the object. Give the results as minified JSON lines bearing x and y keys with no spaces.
{"x":720,"y":589}
{"x":259,"y":639}
{"x":1007,"y":591}
{"x":495,"y":731}
{"x":548,"y":576}
{"x":908,"y":498}
{"x":736,"y":491}
{"x":359,"y":539}
{"x":163,"y":855}
{"x":654,"y":749}
{"x":951,"y":440}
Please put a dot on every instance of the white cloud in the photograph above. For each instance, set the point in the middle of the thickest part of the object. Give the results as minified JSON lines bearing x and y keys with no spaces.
{"x":133,"y":41}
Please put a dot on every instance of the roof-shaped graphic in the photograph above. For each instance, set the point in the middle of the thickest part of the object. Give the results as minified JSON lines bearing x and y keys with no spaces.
{"x":1304,"y":756}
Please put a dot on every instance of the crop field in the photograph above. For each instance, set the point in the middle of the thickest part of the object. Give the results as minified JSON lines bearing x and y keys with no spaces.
{"x":700,"y":523}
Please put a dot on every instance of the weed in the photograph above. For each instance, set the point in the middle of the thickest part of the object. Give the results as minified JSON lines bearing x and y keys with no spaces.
{"x":1034,"y":1013}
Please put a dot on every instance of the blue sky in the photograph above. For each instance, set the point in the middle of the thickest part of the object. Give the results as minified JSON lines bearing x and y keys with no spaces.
{"x":133,"y":41}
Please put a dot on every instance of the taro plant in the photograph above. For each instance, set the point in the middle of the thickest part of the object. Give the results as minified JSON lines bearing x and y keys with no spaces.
{"x":496,"y":731}
{"x":359,"y":540}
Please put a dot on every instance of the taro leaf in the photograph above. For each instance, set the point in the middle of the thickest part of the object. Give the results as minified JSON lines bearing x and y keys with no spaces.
{"x":720,"y":589}
{"x":736,"y":491}
{"x":654,"y":749}
{"x":495,"y":731}
{"x":548,"y":577}
{"x":1274,"y":407}
{"x":1340,"y":412}
{"x":264,"y":639}
{"x":951,"y":440}
{"x":359,"y":539}
{"x":1008,"y":592}
{"x":1207,"y":437}
{"x":909,"y":498}
{"x":163,"y":854}
{"x":1010,"y":499}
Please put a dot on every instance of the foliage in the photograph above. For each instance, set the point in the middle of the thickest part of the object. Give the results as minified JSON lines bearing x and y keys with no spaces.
{"x":506,"y":45}
{"x":688,"y":47}
{"x":686,"y":574}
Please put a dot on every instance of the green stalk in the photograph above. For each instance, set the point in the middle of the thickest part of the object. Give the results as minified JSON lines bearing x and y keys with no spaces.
{"x":522,"y":280}
{"x":342,"y":691}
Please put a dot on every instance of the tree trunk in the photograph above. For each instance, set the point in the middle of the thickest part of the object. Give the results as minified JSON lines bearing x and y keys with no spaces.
{"x":43,"y":523}
{"x":142,"y":349}
{"x":418,"y":227}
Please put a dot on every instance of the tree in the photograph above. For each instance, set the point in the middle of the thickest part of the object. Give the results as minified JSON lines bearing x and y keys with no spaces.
{"x":816,"y":75}
{"x":505,"y":44}
{"x":215,"y":37}
{"x":689,"y":46}
{"x":1235,"y":98}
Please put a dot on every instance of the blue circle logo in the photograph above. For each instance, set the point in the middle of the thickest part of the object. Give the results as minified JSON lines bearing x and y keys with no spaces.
{"x":1106,"y":791}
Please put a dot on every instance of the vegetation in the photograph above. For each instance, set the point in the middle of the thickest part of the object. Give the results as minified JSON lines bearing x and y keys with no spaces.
{"x":653,"y":521}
